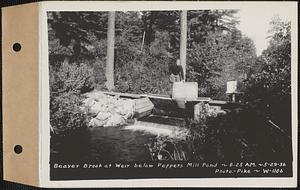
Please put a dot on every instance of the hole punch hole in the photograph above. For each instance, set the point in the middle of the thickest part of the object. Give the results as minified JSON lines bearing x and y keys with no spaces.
{"x":18,"y":149}
{"x":17,"y":47}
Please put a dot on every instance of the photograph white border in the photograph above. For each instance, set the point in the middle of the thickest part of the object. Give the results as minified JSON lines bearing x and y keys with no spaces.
{"x":44,"y":122}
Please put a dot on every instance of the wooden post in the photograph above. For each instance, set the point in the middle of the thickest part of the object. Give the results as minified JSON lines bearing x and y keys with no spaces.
{"x":233,"y":97}
{"x":143,"y":40}
{"x":110,"y":51}
{"x":183,"y":40}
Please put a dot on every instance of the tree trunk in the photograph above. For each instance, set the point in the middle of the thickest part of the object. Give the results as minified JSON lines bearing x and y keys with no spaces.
{"x":183,"y":40}
{"x":110,"y":51}
{"x":149,"y":29}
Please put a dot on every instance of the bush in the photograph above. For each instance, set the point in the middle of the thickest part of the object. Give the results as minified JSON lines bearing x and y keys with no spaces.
{"x":168,"y":149}
{"x":71,"y":77}
{"x":67,"y":82}
{"x":65,"y":113}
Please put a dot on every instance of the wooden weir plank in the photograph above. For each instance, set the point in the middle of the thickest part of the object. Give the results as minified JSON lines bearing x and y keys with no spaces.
{"x":217,"y":102}
{"x":125,"y":95}
{"x":157,"y":96}
{"x":166,"y":97}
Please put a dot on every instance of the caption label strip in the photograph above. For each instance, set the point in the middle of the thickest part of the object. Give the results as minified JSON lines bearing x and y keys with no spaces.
{"x":165,"y":169}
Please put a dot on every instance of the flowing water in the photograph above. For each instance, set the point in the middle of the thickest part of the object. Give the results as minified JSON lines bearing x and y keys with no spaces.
{"x":116,"y":143}
{"x":127,"y":143}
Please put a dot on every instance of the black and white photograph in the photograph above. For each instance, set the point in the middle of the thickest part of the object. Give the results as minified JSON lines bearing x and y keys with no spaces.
{"x":143,"y":94}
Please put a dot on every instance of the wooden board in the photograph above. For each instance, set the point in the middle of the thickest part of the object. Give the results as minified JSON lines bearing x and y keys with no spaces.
{"x":143,"y":107}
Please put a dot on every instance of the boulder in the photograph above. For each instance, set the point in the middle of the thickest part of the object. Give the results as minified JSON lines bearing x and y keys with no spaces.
{"x":89,"y":102}
{"x":96,"y":122}
{"x":108,"y":110}
{"x":203,"y":110}
{"x":103,"y":116}
{"x":96,"y":108}
{"x":115,"y":120}
{"x":125,"y":108}
{"x":96,"y":95}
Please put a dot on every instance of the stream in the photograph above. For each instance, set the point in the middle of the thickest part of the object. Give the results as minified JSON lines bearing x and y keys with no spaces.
{"x":231,"y":138}
{"x":127,"y":143}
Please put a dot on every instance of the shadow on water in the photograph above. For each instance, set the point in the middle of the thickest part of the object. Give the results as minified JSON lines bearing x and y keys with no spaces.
{"x":117,"y":144}
{"x":103,"y":144}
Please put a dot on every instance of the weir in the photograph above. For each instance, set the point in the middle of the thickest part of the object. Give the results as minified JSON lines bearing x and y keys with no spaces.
{"x":167,"y":106}
{"x":167,"y":115}
{"x":166,"y":119}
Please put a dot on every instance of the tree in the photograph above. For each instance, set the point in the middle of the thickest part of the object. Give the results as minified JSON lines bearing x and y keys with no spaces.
{"x":129,"y":36}
{"x":272,"y":84}
{"x":202,"y":22}
{"x":70,"y":34}
{"x":214,"y":46}
{"x":110,"y":51}
{"x":219,"y":56}
{"x":183,"y":41}
{"x":274,"y":79}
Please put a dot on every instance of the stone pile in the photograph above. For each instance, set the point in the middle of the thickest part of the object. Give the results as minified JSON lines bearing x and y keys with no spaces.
{"x":202,"y":111}
{"x":108,"y":110}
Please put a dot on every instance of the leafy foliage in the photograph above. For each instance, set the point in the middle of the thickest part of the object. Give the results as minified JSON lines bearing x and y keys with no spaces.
{"x":272,"y":85}
{"x":65,"y":113}
{"x":223,"y":57}
{"x":149,"y":74}
{"x":203,"y":22}
{"x":71,"y":78}
{"x":275,"y":76}
{"x":70,"y":32}
{"x":67,"y":82}
{"x":148,"y":41}
{"x":168,"y":149}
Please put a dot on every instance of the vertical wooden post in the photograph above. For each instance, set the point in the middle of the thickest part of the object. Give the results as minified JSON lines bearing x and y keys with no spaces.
{"x":183,"y":40}
{"x":110,"y":51}
{"x":143,"y":40}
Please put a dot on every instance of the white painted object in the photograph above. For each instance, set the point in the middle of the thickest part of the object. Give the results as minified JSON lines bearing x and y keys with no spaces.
{"x":231,"y":87}
{"x":185,"y":90}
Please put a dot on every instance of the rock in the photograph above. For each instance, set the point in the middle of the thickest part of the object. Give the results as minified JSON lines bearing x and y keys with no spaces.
{"x":96,"y":123}
{"x":200,"y":112}
{"x":96,"y":95}
{"x":103,"y":116}
{"x":96,"y":108}
{"x":214,"y":111}
{"x":108,"y":110}
{"x":125,"y":108}
{"x":115,"y":120}
{"x":89,"y":102}
{"x":203,"y":110}
{"x":143,"y":107}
